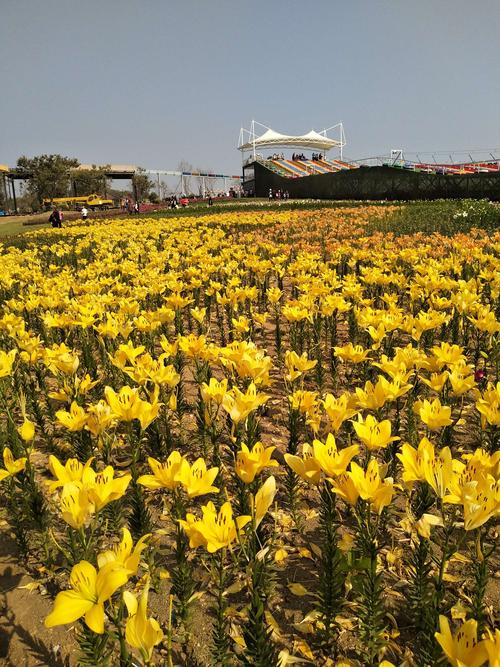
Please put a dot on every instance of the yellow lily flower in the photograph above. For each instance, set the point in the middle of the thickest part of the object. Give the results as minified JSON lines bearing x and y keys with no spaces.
{"x":332,"y":461}
{"x":6,"y":362}
{"x":264,"y":499}
{"x":461,"y":379}
{"x":241,"y":324}
{"x":124,"y":553}
{"x":294,"y":312}
{"x":399,"y":386}
{"x":217,"y":530}
{"x":373,"y":396}
{"x":297,"y":365}
{"x":74,"y":420}
{"x":141,"y":632}
{"x":480,"y":460}
{"x":60,"y":358}
{"x":481,"y":501}
{"x":89,"y":591}
{"x":491,"y":644}
{"x":71,"y":471}
{"x":124,"y":404}
{"x":196,"y":479}
{"x":107,"y":488}
{"x":214,"y":391}
{"x":485,"y":320}
{"x":127,"y":405}
{"x":391,"y":366}
{"x":247,"y":361}
{"x":339,"y":409}
{"x":344,"y":486}
{"x":176,"y":301}
{"x":27,"y":430}
{"x":99,"y":417}
{"x":260,"y":318}
{"x":436,"y":382}
{"x":85,"y":384}
{"x":164,"y":474}
{"x":190,"y":525}
{"x":461,"y":649}
{"x":354,"y":353}
{"x":147,"y":412}
{"x":239,"y":405}
{"x":12,"y":466}
{"x":370,"y":486}
{"x":488,"y":405}
{"x":306,"y":467}
{"x":413,"y":460}
{"x":306,"y":402}
{"x":251,"y":463}
{"x":169,"y":348}
{"x":199,"y":314}
{"x":438,"y":471}
{"x":126,"y":353}
{"x":374,"y":434}
{"x":163,"y":374}
{"x":424,"y":524}
{"x":447,"y":355}
{"x":75,"y":504}
{"x":433,"y":414}
{"x":274,"y":294}
{"x":195,"y":347}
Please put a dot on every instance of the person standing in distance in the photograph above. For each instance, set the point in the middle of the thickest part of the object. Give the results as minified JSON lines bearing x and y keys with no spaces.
{"x":56,"y":218}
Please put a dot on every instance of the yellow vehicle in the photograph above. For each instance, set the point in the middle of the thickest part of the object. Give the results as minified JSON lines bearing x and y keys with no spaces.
{"x":91,"y":201}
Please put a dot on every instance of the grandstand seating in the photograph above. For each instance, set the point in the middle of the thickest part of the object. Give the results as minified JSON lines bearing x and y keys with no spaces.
{"x":343,"y":165}
{"x":300,"y":168}
{"x":327,"y":164}
{"x":274,"y":165}
{"x":295,"y":168}
{"x":317,"y":167}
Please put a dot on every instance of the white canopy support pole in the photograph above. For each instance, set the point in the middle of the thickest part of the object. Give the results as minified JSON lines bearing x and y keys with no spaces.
{"x":159,"y":187}
{"x":253,"y":138}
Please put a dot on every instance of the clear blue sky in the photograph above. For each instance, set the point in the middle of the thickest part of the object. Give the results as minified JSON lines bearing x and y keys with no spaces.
{"x":153,"y":82}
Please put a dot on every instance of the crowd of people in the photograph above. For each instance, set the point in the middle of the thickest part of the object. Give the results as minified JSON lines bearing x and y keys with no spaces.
{"x":296,"y":157}
{"x":278,"y":194}
{"x":130,"y":206}
{"x":56,"y":216}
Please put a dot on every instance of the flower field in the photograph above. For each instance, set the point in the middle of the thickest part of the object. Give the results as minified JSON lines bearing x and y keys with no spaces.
{"x":253,"y":438}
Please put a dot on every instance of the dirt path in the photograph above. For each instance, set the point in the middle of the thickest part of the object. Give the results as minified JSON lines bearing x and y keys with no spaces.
{"x":24,"y":640}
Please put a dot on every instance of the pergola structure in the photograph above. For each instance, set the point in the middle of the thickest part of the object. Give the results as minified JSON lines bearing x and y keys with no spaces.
{"x":206,"y":179}
{"x":249,"y":142}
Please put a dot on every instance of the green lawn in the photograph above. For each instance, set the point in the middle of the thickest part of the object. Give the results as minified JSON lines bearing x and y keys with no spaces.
{"x":13,"y":224}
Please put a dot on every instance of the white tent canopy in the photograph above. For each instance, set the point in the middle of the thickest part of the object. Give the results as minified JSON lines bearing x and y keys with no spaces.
{"x":312,"y":140}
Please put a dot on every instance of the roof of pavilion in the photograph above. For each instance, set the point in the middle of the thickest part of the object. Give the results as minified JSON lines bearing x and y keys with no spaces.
{"x":312,"y":139}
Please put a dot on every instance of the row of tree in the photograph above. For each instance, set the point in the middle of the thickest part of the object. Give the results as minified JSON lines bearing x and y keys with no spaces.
{"x":51,"y":176}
